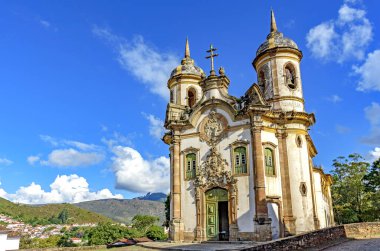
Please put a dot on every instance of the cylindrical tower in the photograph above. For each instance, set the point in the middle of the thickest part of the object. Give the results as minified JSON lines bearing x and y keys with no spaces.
{"x":277,"y":64}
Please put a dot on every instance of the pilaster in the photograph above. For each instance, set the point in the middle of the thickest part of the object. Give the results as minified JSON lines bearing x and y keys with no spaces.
{"x":262,"y":223}
{"x":288,"y":218}
{"x":177,"y":227}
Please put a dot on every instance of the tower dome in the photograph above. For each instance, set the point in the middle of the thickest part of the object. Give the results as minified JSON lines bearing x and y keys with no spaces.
{"x":275,"y":39}
{"x":187,"y":66}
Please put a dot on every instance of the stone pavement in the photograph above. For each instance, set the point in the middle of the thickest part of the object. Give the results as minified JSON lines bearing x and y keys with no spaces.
{"x":209,"y":246}
{"x":353,"y":245}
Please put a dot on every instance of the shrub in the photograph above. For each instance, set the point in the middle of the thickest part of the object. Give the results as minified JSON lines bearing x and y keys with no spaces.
{"x":156,"y":233}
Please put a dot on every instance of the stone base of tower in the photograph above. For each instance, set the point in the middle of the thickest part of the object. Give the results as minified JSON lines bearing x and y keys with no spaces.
{"x":289,"y":226}
{"x":263,"y":229}
{"x":316,"y":223}
{"x":176,"y":230}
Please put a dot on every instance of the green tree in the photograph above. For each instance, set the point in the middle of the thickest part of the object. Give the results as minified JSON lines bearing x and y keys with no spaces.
{"x":167,"y":211}
{"x":106,"y":233}
{"x":143,"y":222}
{"x":63,"y":216}
{"x":352,"y":202}
{"x":372,"y":184}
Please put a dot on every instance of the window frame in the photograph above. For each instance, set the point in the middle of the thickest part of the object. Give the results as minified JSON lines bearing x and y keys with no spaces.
{"x":185,"y":153}
{"x":234,"y":146}
{"x":272,"y":147}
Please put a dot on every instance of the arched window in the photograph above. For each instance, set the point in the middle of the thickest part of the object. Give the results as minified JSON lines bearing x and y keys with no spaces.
{"x":191,"y":97}
{"x":240,"y":159}
{"x":269,"y":162}
{"x":262,"y":81}
{"x":171,"y":96}
{"x":191,"y":165}
{"x":290,"y":76}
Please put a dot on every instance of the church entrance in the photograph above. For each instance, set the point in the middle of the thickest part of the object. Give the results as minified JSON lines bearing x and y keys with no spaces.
{"x":217,"y":223}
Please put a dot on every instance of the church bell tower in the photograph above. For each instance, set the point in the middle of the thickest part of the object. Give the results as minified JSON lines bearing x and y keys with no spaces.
{"x":277,"y":64}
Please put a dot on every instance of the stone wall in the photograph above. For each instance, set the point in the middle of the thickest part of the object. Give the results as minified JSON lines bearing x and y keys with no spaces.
{"x":67,"y":248}
{"x":365,"y":230}
{"x":323,"y":237}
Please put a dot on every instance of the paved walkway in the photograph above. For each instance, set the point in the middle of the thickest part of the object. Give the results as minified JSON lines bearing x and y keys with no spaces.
{"x":361,"y":245}
{"x":196,"y":246}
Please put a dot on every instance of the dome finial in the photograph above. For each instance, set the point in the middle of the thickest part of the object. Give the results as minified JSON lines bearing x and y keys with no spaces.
{"x":273,"y":25}
{"x":187,"y":48}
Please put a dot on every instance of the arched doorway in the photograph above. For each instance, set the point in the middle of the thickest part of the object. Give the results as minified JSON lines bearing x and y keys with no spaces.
{"x":217,"y":222}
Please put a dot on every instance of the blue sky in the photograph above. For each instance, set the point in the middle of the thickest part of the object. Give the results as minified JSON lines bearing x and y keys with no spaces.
{"x":83,"y":85}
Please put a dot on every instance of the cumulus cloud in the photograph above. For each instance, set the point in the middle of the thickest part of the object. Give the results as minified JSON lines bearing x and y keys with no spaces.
{"x":369,"y":73}
{"x":156,"y":126}
{"x":72,"y":158}
{"x":5,"y":162}
{"x":372,"y":113}
{"x":135,"y":174}
{"x":65,"y":188}
{"x":70,"y":153}
{"x":341,"y":39}
{"x":143,"y":61}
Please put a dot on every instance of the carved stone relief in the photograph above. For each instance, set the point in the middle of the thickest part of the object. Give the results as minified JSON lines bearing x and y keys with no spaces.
{"x":213,"y":128}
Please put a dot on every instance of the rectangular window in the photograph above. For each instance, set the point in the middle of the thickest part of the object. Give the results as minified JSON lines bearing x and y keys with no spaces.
{"x":269,"y":166}
{"x":240,"y":160}
{"x":191,"y":161}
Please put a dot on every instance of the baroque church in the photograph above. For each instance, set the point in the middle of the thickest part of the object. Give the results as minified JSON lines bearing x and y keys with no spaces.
{"x":241,"y":168}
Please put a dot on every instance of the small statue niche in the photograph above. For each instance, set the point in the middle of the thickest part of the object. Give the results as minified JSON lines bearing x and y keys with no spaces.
{"x":290,"y":78}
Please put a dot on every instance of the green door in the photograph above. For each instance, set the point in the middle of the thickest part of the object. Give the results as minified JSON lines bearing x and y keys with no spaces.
{"x":213,"y":197}
{"x":212,"y":220}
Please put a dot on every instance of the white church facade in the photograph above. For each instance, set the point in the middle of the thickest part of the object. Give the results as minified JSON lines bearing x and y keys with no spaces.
{"x":241,"y":168}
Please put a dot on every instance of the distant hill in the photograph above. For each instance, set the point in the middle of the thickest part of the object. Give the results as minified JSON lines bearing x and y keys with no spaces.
{"x":41,"y":213}
{"x":124,"y":210}
{"x":153,"y":196}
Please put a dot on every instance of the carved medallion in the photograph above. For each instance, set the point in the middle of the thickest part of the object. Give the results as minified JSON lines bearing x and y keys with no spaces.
{"x":212,"y":128}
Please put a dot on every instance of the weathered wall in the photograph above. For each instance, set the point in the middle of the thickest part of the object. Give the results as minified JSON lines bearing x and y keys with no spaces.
{"x":322,"y":237}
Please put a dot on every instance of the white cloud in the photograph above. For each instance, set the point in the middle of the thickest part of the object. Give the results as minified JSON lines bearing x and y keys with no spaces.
{"x":135,"y":174}
{"x":156,"y":126}
{"x":369,"y":73}
{"x":5,"y":162}
{"x":374,"y":154}
{"x":143,"y":61}
{"x":33,"y":159}
{"x":320,"y":40}
{"x":72,"y":158}
{"x":372,"y":113}
{"x":334,"y":98}
{"x":71,"y":153}
{"x":65,"y":188}
{"x":347,"y":37}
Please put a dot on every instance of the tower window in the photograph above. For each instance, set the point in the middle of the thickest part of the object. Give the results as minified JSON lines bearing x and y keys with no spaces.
{"x":240,"y":156}
{"x":191,"y":165}
{"x":269,"y":162}
{"x":191,"y":96}
{"x":262,"y":81}
{"x":290,"y":76}
{"x":171,"y":96}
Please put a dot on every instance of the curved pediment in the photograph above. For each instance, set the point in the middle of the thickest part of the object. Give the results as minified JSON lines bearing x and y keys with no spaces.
{"x":210,"y":105}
